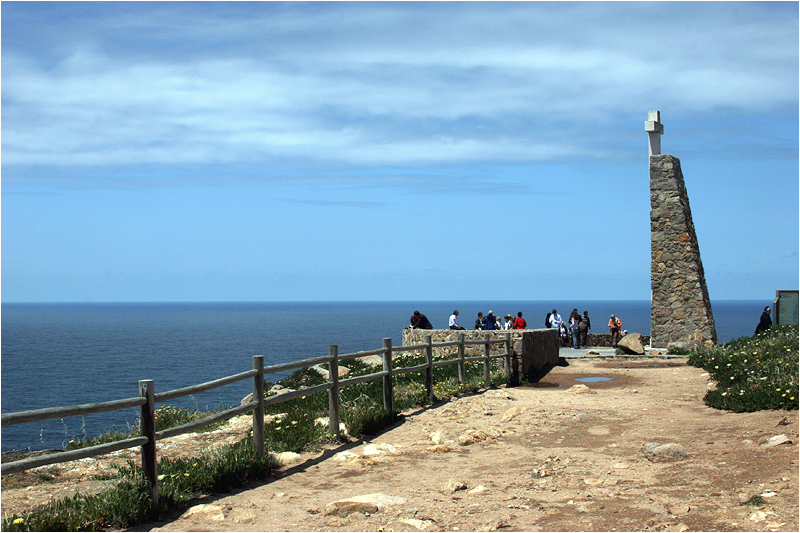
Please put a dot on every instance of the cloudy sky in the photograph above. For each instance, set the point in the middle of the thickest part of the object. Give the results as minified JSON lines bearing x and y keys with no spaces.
{"x":390,"y":151}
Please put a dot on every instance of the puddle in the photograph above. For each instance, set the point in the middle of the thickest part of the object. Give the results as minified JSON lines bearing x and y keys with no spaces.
{"x":593,"y":379}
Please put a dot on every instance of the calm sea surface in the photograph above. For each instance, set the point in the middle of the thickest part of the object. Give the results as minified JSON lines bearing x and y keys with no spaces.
{"x":66,"y":354}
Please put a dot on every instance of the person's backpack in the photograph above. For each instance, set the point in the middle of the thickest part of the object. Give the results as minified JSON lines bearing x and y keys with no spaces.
{"x":582,"y":325}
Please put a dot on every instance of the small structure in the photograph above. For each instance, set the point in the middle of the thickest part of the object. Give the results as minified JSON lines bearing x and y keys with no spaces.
{"x":785,"y":308}
{"x":680,"y":310}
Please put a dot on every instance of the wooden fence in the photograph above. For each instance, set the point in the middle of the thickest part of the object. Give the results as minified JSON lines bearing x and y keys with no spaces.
{"x":148,"y":397}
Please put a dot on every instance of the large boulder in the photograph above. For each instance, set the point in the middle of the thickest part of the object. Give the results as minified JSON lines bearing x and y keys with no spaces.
{"x":631,"y":344}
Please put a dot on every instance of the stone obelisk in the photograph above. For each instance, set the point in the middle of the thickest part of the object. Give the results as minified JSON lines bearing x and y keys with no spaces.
{"x":680,"y":310}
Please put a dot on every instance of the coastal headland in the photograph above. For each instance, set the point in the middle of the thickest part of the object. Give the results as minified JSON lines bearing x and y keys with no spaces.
{"x":636,"y":450}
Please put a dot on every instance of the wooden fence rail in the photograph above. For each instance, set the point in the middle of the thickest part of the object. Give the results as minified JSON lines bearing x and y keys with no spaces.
{"x":148,"y":398}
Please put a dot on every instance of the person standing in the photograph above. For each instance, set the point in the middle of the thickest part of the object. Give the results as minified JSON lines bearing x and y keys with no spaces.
{"x":615,"y":326}
{"x":586,"y":328}
{"x":555,"y":319}
{"x":575,"y":329}
{"x":520,"y":323}
{"x":454,"y":320}
{"x":490,"y":321}
{"x":765,"y":323}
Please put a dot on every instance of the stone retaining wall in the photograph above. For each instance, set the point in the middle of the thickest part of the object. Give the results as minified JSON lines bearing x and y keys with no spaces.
{"x":417,"y":336}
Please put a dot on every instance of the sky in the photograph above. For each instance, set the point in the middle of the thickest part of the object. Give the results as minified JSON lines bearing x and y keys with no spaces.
{"x":362,"y":151}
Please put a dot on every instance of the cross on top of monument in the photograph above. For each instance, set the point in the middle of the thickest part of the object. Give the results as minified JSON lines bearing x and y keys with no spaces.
{"x":654,"y":129}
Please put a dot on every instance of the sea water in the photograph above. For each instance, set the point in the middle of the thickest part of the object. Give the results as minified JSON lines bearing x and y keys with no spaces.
{"x":67,"y":354}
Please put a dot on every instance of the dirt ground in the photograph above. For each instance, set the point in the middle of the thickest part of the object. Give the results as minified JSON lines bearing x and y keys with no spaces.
{"x":556,"y":456}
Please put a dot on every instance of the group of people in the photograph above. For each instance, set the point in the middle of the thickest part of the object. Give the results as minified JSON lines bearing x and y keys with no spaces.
{"x":491,"y":322}
{"x":578,"y":327}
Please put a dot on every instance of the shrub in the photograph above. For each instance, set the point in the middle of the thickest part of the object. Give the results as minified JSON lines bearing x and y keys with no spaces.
{"x":753,"y":373}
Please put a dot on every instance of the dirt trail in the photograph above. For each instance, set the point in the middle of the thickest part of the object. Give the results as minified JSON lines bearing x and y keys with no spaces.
{"x":557,"y":456}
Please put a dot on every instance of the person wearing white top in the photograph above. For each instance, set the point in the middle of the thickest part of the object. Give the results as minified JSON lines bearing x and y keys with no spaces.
{"x":454,"y":320}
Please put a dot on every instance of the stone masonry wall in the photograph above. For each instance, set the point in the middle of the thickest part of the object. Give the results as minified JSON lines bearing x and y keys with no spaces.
{"x":416,"y":336}
{"x":680,"y":309}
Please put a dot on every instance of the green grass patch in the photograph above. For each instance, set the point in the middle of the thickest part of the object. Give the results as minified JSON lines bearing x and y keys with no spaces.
{"x":753,"y":373}
{"x":128,"y":502}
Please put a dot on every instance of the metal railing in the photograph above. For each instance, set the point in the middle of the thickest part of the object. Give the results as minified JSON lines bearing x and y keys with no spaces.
{"x":148,"y":397}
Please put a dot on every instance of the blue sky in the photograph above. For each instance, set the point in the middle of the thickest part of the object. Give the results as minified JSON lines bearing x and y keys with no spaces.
{"x":390,"y":151}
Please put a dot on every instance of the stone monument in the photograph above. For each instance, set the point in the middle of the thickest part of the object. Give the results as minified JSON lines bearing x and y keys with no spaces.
{"x":680,"y":310}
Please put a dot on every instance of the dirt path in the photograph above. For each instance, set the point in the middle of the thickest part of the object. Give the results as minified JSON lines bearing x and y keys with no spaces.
{"x":557,"y":456}
{"x":550,"y":457}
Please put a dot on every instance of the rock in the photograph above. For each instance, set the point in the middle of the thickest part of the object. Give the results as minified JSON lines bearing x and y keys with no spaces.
{"x":206,"y":511}
{"x":279,"y":389}
{"x":656,"y":452}
{"x":631,"y":344}
{"x":288,"y":458}
{"x":372,"y":360}
{"x":345,"y":456}
{"x":493,"y":525}
{"x":404,"y":524}
{"x":440,"y":436}
{"x":655,"y":352}
{"x":466,"y":439}
{"x":326,"y":421}
{"x":777,"y":440}
{"x":451,"y":485}
{"x":366,"y":503}
{"x":344,"y":508}
{"x":378,"y":448}
{"x":592,"y":352}
{"x":247,"y":399}
{"x":511,"y":414}
{"x":477,"y":490}
{"x":580,"y":389}
{"x":343,"y":371}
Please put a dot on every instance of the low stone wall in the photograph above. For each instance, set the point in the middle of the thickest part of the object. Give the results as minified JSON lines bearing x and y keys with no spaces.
{"x":534,"y":351}
{"x":417,"y":336}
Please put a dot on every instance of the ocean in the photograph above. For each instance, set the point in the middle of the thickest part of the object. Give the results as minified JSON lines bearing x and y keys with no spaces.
{"x":67,"y":354}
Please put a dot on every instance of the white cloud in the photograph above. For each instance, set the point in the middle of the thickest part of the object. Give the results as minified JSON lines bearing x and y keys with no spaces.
{"x":399,"y":85}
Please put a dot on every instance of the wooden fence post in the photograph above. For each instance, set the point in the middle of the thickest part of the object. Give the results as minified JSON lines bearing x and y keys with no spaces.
{"x":148,"y":429}
{"x":486,"y":360}
{"x":388,"y":382}
{"x":333,"y":392}
{"x":429,"y":368}
{"x":258,"y":411}
{"x":462,"y":374}
{"x":508,"y":355}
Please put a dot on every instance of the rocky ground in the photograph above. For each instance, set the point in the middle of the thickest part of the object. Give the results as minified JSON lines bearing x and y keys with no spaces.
{"x":555,"y":456}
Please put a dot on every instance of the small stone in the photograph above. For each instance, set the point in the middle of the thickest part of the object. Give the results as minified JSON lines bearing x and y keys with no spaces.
{"x":451,"y":485}
{"x":656,"y":452}
{"x":288,"y":458}
{"x":757,"y":516}
{"x":477,"y":490}
{"x":580,"y":389}
{"x":777,"y":440}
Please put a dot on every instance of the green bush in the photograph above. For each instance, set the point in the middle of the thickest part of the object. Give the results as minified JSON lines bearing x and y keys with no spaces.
{"x":753,"y":373}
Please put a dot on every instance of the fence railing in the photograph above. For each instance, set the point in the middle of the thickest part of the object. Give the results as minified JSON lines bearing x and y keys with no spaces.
{"x":148,"y":397}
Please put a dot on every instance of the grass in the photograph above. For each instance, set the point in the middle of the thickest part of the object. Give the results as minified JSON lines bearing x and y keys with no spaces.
{"x":753,"y":373}
{"x":127,"y":503}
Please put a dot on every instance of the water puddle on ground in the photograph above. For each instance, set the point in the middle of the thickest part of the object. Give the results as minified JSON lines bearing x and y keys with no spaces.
{"x":593,"y":379}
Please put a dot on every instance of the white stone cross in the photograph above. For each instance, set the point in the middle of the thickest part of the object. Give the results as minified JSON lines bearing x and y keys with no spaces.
{"x":654,"y":129}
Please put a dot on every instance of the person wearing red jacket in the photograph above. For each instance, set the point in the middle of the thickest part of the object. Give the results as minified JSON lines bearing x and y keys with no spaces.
{"x":520,"y":323}
{"x":615,"y":325}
